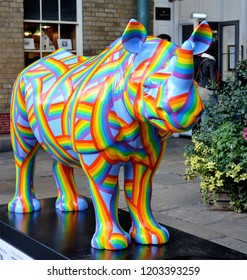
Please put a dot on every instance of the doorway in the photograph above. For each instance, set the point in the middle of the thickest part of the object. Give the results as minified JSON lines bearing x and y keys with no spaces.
{"x":228,"y":45}
{"x":225,"y":45}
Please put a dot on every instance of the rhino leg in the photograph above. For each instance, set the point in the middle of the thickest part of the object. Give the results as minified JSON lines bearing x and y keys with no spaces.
{"x":24,"y":200}
{"x":138,"y":190}
{"x":103,"y":180}
{"x":68,"y":197}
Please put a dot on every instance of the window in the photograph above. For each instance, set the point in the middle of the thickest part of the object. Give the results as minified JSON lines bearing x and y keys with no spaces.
{"x":49,"y":25}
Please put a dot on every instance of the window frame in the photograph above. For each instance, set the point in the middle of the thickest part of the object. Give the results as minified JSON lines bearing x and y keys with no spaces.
{"x":78,"y":29}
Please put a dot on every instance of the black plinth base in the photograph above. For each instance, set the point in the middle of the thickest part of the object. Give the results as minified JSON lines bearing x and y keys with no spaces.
{"x":51,"y":234}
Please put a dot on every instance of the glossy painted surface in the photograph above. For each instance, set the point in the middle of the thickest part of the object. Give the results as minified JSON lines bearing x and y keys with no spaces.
{"x":102,"y":113}
{"x":52,"y":234}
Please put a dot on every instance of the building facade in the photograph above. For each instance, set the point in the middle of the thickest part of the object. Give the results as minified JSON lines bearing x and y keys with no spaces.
{"x":30,"y":29}
{"x":227,"y":19}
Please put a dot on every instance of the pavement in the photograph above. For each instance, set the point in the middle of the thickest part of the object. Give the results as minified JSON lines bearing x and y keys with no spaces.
{"x":175,"y":202}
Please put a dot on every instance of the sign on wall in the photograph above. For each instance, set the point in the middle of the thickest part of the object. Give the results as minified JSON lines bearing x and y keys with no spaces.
{"x":162,"y":13}
{"x":4,"y":123}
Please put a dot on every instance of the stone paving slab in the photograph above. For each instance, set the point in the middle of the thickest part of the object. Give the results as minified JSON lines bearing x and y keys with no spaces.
{"x":198,"y":214}
{"x":232,"y":243}
{"x":234,"y":229}
{"x":188,"y":227}
{"x":172,"y":198}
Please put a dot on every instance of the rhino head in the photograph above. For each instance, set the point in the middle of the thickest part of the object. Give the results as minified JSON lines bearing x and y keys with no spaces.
{"x":163,"y":77}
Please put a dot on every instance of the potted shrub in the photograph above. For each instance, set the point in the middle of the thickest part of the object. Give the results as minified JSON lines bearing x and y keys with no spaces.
{"x":241,"y":72}
{"x":218,"y":152}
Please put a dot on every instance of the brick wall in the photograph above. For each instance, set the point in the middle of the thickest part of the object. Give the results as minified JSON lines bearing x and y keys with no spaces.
{"x":11,"y":48}
{"x":104,"y":21}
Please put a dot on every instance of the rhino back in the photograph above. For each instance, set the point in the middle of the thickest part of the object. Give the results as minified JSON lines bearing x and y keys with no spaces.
{"x":49,"y":85}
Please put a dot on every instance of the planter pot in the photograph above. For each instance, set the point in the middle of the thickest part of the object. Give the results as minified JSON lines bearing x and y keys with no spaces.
{"x":219,"y":201}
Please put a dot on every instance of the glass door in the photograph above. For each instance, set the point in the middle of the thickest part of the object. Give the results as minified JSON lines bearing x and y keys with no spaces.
{"x":186,"y":27}
{"x":228,"y":54}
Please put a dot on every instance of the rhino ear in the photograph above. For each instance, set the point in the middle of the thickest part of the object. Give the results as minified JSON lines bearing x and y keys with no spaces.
{"x":134,"y":36}
{"x":201,"y":38}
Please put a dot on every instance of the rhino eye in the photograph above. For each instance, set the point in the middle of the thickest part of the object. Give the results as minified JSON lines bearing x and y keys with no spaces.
{"x":146,"y":86}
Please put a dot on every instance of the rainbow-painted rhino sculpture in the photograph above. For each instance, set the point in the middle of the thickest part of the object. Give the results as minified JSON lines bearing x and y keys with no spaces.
{"x":101,"y":113}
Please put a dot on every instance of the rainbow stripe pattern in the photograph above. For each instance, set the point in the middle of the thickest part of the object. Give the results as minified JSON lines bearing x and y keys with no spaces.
{"x":102,"y":113}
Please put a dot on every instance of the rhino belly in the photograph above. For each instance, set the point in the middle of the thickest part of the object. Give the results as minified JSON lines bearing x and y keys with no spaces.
{"x":59,"y":146}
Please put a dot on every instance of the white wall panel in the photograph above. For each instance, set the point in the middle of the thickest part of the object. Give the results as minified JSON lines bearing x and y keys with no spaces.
{"x":217,"y":11}
{"x":212,"y":8}
{"x":187,"y":7}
